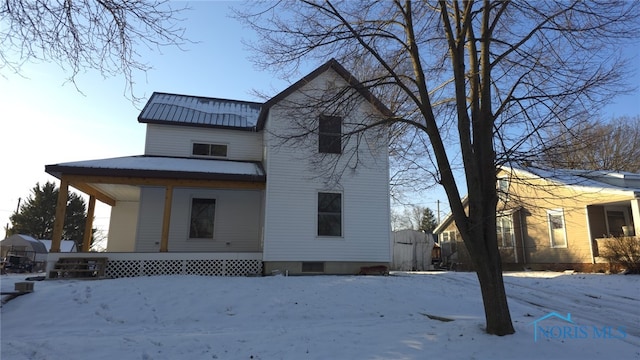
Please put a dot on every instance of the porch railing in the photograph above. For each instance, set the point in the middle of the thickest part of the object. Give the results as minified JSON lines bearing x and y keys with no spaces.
{"x":167,"y":263}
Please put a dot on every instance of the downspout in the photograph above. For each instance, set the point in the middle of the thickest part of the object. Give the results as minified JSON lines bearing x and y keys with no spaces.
{"x":586,"y":211}
{"x":524,"y":255}
{"x":513,"y":242}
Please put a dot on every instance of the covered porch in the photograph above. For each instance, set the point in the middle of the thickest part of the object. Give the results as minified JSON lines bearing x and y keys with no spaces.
{"x":614,"y":219}
{"x":150,"y":199}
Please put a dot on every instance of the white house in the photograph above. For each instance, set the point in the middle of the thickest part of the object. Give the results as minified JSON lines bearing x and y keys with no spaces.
{"x":230,"y":187}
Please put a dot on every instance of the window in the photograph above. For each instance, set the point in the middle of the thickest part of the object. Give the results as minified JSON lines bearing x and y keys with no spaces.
{"x":557,"y":231}
{"x":503,"y":188}
{"x":329,"y":214}
{"x":330,"y":134}
{"x":504,"y":229}
{"x":312,"y":267}
{"x":216,"y":150}
{"x":616,"y":218}
{"x":202,"y":218}
{"x":448,"y":242}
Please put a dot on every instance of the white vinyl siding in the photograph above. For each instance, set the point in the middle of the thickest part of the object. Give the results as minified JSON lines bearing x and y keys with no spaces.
{"x":293,"y":183}
{"x":171,"y":140}
{"x":238,"y":220}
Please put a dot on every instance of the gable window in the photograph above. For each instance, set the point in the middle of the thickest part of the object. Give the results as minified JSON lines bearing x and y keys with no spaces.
{"x":503,"y":188}
{"x":330,"y":134}
{"x":202,"y":218}
{"x":216,"y":150}
{"x":557,"y":230}
{"x":329,"y":214}
{"x":504,"y":229}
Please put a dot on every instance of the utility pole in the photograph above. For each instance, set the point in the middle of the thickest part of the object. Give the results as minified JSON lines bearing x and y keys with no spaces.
{"x":438,"y":202}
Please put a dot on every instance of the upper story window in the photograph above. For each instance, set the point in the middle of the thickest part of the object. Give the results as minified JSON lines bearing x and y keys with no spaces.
{"x":503,"y":188}
{"x":330,"y":134}
{"x":217,"y":150}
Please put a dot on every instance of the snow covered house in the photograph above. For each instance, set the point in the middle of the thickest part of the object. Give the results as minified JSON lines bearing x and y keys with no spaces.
{"x":230,"y":187}
{"x":555,"y":219}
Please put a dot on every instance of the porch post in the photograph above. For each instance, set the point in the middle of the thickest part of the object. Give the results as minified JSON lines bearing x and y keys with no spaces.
{"x":166,"y":219}
{"x":635,"y":212}
{"x":61,"y":208}
{"x":88,"y":225}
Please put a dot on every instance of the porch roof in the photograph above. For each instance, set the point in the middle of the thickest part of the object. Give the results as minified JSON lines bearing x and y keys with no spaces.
{"x":163,"y":167}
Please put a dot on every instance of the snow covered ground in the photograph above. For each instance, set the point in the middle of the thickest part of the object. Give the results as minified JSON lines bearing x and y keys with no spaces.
{"x":588,"y":316}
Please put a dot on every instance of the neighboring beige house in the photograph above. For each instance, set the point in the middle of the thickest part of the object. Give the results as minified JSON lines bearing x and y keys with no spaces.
{"x":555,"y":219}
{"x":220,"y":190}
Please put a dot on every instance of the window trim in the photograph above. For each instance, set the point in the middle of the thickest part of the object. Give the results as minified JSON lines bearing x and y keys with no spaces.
{"x":210,"y":145}
{"x":318,"y":214}
{"x":329,"y":137}
{"x":512,"y":233}
{"x":215,"y":208}
{"x":557,"y":212}
{"x":503,"y":183}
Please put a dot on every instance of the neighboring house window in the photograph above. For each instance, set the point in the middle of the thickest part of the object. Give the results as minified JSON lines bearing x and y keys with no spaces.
{"x":217,"y":150}
{"x":330,"y":134}
{"x":616,"y":219}
{"x":448,"y":242}
{"x":503,"y":188}
{"x":504,"y":229}
{"x":557,"y":230}
{"x":202,"y":218}
{"x":329,"y":214}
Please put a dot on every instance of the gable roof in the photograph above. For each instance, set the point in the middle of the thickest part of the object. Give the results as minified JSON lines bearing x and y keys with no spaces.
{"x":176,"y":109}
{"x":187,"y":110}
{"x":340,"y":70}
{"x":65,"y":245}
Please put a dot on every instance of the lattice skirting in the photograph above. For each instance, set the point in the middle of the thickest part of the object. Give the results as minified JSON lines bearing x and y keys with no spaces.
{"x":133,"y":268}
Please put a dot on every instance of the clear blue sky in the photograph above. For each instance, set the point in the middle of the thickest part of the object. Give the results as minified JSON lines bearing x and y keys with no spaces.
{"x":45,"y":121}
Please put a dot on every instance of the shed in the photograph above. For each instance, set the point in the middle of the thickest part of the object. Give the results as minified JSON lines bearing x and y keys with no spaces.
{"x":23,"y":253}
{"x":65,"y":245}
{"x":24,"y":245}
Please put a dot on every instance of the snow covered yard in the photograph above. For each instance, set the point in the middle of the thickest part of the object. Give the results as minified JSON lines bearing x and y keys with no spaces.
{"x":321,"y":317}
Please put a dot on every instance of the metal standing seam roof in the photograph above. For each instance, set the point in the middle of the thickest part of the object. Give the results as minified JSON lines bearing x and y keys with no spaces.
{"x":199,"y":111}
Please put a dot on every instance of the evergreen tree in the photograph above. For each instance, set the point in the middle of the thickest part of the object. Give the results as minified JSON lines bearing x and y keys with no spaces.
{"x":36,"y":216}
{"x":429,"y":221}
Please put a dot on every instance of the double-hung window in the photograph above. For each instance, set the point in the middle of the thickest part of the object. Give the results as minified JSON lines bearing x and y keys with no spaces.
{"x":504,"y":229}
{"x":203,"y":213}
{"x":330,"y":134}
{"x":329,"y":214}
{"x":557,"y":229}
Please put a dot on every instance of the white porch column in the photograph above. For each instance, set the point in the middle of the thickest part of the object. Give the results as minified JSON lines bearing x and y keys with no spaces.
{"x":635,"y":212}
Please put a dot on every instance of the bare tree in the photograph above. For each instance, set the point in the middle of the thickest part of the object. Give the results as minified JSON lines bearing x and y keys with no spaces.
{"x":596,"y":145}
{"x":472,"y":85}
{"x":105,"y":35}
